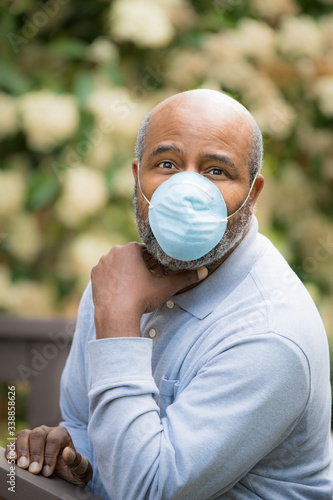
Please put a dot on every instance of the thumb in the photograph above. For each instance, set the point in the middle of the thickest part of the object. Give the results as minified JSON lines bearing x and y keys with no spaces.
{"x":185,"y":279}
{"x":75,"y":461}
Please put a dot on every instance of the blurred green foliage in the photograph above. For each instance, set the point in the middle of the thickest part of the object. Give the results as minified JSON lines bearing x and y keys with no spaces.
{"x":76,"y":79}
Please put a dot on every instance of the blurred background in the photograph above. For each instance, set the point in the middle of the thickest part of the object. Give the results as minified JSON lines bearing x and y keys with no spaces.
{"x":77,"y":78}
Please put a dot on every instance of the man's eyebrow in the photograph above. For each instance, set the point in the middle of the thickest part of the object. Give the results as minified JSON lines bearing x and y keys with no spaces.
{"x":220,"y":158}
{"x":164,"y":148}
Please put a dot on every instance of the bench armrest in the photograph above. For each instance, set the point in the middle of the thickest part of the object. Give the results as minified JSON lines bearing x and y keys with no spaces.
{"x":36,"y":487}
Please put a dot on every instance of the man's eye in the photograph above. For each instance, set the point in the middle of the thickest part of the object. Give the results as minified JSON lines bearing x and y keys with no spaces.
{"x":166,"y":164}
{"x":216,"y":171}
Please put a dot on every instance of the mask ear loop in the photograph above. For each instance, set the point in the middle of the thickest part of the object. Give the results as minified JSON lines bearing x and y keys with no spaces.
{"x":139,"y":184}
{"x":244,"y":202}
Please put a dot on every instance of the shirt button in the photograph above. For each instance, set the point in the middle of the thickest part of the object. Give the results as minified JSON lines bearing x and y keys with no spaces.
{"x":170,"y":304}
{"x":152,"y":333}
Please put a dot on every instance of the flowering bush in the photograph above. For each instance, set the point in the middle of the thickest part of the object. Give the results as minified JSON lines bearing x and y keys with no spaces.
{"x":75,"y":82}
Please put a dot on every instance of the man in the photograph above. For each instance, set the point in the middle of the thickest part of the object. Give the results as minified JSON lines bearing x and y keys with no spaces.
{"x":199,"y":368}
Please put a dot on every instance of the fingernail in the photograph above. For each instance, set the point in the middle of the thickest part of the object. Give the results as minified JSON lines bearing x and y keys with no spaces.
{"x":202,"y":272}
{"x":23,"y":462}
{"x":46,"y":470}
{"x":34,"y":467}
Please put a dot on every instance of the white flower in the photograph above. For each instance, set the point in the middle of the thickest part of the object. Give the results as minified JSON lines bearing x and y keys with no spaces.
{"x":48,"y":119}
{"x":24,"y":240}
{"x":323,"y":89}
{"x":260,"y":90}
{"x":326,"y":29}
{"x":30,"y":299}
{"x":5,"y":284}
{"x":232,"y":74}
{"x":220,"y":47}
{"x":84,"y":253}
{"x":300,"y":36}
{"x":276,"y":118}
{"x":102,"y":51}
{"x":255,"y":39}
{"x":123,"y":183}
{"x":326,"y":312}
{"x":84,"y":194}
{"x":8,"y":115}
{"x":144,"y":22}
{"x":274,"y":9}
{"x":12,"y":192}
{"x":122,"y":110}
{"x":186,"y":67}
{"x":291,"y":194}
{"x":101,"y":154}
{"x":314,"y":140}
{"x":113,"y":104}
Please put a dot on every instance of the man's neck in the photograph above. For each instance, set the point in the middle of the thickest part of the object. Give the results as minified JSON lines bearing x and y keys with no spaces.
{"x":159,"y":270}
{"x":211,"y":268}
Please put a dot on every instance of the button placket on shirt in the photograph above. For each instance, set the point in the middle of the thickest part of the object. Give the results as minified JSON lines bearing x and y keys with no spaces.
{"x":152,"y":332}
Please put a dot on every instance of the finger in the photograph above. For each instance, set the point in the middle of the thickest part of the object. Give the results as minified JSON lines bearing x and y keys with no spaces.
{"x":37,"y":438}
{"x":78,"y":464}
{"x":152,"y":264}
{"x":56,"y":440}
{"x":22,"y":448}
{"x":75,"y":461}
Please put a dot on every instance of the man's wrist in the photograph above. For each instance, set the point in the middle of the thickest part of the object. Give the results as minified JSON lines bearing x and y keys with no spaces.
{"x":116,"y":324}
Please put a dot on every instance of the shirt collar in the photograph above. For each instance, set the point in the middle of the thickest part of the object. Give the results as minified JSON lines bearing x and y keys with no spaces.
{"x":204,"y":298}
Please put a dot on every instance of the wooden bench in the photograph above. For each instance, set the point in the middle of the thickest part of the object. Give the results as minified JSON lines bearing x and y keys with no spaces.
{"x":29,"y":486}
{"x":35,"y":352}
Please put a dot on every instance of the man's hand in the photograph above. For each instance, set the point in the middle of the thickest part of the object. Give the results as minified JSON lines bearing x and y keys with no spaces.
{"x":124,"y":289}
{"x":50,"y":449}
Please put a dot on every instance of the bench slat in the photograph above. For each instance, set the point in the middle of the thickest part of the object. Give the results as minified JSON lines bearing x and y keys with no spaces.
{"x":37,"y":487}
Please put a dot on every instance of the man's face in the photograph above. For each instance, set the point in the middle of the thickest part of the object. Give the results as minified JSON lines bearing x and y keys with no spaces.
{"x":195,"y":134}
{"x":233,"y":234}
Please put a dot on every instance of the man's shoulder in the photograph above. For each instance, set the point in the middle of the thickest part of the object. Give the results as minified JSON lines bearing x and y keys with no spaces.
{"x":267,"y":297}
{"x":283,"y":303}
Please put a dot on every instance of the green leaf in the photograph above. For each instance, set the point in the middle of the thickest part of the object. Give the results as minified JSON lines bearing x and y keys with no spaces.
{"x":12,"y":80}
{"x":68,"y":48}
{"x":42,"y":190}
{"x":83,"y":86}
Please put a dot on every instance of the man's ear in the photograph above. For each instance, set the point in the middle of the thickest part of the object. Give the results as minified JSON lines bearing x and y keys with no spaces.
{"x":258,"y":185}
{"x":135,"y":168}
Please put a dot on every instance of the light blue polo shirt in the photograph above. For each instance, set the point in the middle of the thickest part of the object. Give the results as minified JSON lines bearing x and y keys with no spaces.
{"x":226,"y":395}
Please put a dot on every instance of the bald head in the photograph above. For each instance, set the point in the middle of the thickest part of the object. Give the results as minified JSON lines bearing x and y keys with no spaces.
{"x":205,"y":98}
{"x":206,"y":102}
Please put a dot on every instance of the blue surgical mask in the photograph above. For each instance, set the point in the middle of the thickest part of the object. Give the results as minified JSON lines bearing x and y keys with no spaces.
{"x":188,"y":215}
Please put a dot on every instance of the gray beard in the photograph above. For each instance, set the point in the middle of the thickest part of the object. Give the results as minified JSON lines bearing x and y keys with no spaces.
{"x":233,"y":234}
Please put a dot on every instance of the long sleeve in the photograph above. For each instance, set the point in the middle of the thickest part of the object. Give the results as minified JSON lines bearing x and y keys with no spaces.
{"x":74,"y":403}
{"x":240,"y":404}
